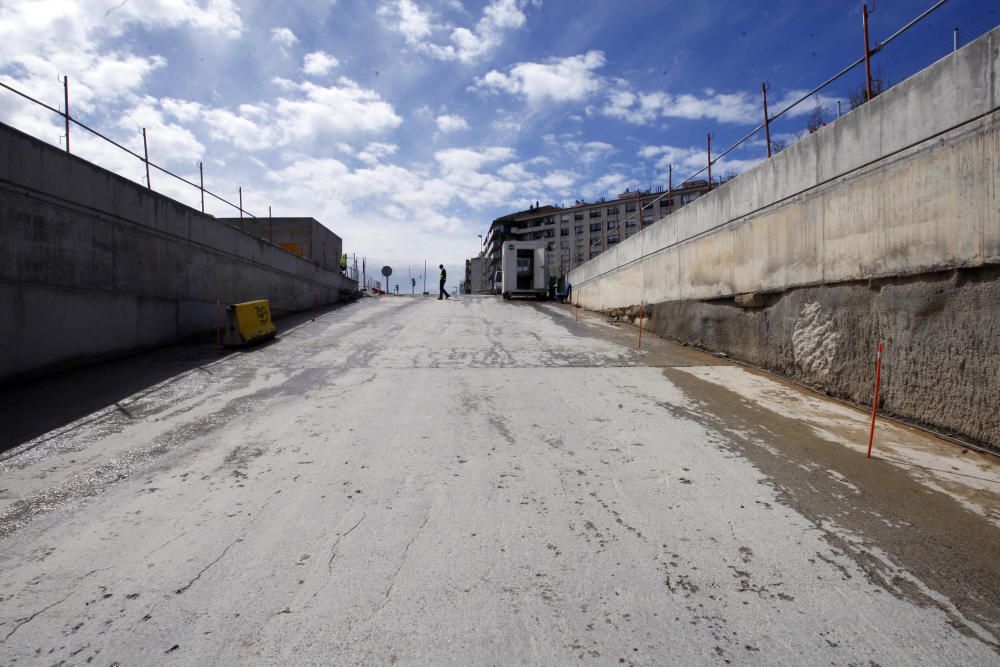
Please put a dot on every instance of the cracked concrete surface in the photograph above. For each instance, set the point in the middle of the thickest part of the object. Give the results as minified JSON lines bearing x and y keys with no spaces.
{"x":482,"y":482}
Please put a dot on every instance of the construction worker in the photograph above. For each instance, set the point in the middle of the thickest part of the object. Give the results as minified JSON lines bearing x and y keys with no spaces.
{"x":444,"y":277}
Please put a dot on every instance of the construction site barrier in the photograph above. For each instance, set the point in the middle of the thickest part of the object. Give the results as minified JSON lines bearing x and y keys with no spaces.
{"x":248,"y":322}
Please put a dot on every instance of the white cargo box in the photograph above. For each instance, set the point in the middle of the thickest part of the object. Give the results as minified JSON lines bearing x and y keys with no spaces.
{"x":525,"y":272}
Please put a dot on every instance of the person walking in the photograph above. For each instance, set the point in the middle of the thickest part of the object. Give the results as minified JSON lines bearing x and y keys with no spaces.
{"x":444,"y":277}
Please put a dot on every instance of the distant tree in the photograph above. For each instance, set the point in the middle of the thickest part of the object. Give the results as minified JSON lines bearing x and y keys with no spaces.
{"x":817,"y":118}
{"x":859,"y":94}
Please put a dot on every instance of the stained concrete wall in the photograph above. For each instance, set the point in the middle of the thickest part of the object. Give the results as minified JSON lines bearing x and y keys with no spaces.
{"x":306,"y":237}
{"x":93,"y":265}
{"x":899,"y":190}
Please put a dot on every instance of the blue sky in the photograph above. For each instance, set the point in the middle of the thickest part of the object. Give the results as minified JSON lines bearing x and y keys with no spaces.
{"x":406,"y":126}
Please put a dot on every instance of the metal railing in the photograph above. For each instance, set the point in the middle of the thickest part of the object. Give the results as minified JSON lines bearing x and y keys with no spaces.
{"x":765,"y":125}
{"x":70,"y":121}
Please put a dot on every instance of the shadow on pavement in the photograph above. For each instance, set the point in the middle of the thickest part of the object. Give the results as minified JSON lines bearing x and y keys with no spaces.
{"x":34,"y":407}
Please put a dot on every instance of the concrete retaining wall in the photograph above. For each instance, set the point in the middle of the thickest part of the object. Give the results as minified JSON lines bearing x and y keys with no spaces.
{"x":93,"y":265}
{"x":898,"y":191}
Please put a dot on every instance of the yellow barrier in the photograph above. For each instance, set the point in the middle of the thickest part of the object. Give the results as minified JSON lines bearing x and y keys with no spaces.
{"x":248,"y":322}
{"x":295,"y":248}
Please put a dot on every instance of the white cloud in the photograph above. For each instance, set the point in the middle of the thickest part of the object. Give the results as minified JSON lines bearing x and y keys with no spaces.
{"x":451,"y":123}
{"x":340,"y":111}
{"x":683,"y":159}
{"x":644,"y":108}
{"x":464,"y":44}
{"x":569,"y":79}
{"x":608,"y":185}
{"x":408,"y":19}
{"x":468,"y":159}
{"x":559,"y":180}
{"x":305,"y":113}
{"x":283,"y":37}
{"x":740,"y":108}
{"x":318,"y":63}
{"x":375,"y":151}
{"x":168,"y":142}
{"x":587,"y":152}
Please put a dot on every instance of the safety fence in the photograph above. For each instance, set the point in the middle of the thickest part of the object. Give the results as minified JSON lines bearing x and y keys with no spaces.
{"x":765,"y":126}
{"x":871,"y":89}
{"x":71,"y":121}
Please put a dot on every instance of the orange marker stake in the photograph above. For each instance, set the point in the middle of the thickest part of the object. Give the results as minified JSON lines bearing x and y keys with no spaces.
{"x":878,"y":376}
{"x":641,"y":308}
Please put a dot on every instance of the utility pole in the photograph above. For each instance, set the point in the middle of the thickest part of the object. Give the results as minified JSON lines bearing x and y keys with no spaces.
{"x":767,"y":122}
{"x":670,"y":190}
{"x":66,"y":97}
{"x":145,"y":150}
{"x":708,"y":136}
{"x":868,"y":53}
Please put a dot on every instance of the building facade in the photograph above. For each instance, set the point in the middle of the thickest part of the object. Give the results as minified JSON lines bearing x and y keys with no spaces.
{"x":581,"y":232}
{"x":475,"y":276}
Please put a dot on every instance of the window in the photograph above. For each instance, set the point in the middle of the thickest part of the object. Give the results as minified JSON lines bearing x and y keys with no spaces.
{"x":612,"y":224}
{"x":630,"y":208}
{"x":595,"y":227}
{"x":549,"y":233}
{"x":565,"y":218}
{"x":579,"y":228}
{"x":564,"y":244}
{"x":578,"y":216}
{"x":595,"y":242}
{"x":549,"y":246}
{"x":664,"y":203}
{"x":535,"y":236}
{"x":595,"y":213}
{"x":630,"y":224}
{"x":612,"y":210}
{"x":647,"y":220}
{"x":612,"y":238}
{"x":594,"y":253}
{"x":564,"y":231}
{"x":580,"y":258}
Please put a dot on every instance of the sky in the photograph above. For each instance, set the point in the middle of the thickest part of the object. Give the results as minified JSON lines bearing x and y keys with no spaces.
{"x":407,"y":126}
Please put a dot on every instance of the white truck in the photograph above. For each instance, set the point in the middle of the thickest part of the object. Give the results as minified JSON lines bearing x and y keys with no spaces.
{"x":525,"y":272}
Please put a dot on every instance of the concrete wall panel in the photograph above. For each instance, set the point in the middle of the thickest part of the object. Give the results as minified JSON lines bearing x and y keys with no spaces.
{"x":94,"y":265}
{"x":884,"y":225}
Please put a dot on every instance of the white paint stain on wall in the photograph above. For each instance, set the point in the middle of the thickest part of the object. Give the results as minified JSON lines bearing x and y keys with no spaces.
{"x":814,"y":341}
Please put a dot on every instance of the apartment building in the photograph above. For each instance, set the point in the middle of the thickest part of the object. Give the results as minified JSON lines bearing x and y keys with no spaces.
{"x":583,"y":231}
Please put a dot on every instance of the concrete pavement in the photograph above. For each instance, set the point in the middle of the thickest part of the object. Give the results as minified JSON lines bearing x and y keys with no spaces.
{"x":482,"y":482}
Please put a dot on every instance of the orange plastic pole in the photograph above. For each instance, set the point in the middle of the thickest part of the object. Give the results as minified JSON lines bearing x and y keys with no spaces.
{"x":878,"y":376}
{"x":641,"y":308}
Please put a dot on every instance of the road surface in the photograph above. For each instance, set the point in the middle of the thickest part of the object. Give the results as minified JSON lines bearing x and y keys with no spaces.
{"x":478,"y":482}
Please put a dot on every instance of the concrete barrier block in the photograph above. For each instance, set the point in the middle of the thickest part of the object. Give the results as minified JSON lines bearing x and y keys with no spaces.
{"x":248,"y":322}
